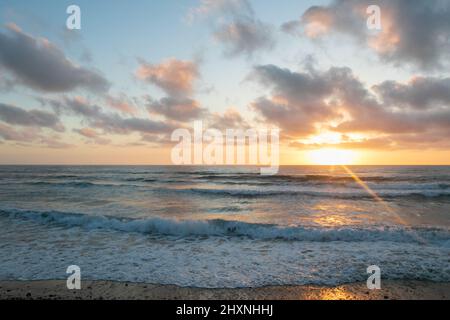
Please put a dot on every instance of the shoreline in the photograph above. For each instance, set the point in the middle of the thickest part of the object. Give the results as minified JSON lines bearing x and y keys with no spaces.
{"x":114,"y":290}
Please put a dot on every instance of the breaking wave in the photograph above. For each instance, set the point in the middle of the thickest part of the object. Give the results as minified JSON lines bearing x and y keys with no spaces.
{"x":182,"y":228}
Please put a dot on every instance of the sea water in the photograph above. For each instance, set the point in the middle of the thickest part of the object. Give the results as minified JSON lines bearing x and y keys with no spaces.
{"x":225,"y":226}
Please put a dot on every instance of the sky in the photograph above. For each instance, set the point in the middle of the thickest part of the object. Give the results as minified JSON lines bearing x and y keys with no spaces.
{"x":114,"y":91}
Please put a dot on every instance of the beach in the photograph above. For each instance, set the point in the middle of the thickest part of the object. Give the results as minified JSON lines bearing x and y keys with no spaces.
{"x":113,"y":290}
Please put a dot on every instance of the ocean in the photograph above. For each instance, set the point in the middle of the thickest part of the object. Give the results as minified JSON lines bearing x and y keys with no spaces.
{"x":225,"y":227}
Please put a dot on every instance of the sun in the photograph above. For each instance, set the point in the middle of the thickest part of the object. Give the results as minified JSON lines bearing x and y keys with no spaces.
{"x":331,"y":157}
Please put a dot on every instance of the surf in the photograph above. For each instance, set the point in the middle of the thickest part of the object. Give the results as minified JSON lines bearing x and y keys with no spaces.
{"x":230,"y":228}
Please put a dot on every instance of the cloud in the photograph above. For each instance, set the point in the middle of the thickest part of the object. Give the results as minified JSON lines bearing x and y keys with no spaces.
{"x":122,"y":104}
{"x":418,"y":93}
{"x":305,"y":103}
{"x":318,"y":21}
{"x":176,"y":112}
{"x":54,"y":143}
{"x":79,"y":106}
{"x":32,"y":118}
{"x":112,"y":123}
{"x":120,"y":125}
{"x":386,"y":120}
{"x":87,"y":132}
{"x":227,"y":7}
{"x":413,"y":33}
{"x":383,"y":143}
{"x":175,"y":77}
{"x":231,"y":118}
{"x":39,"y":64}
{"x":298,"y":100}
{"x":245,"y":36}
{"x":92,"y":135}
{"x":179,"y":109}
{"x":26,"y":136}
{"x":6,"y":84}
{"x":11,"y":134}
{"x":237,"y":29}
{"x":291,"y":27}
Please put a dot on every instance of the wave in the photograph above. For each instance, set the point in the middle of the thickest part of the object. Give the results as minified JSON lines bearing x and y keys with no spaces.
{"x":385,"y":194}
{"x":79,"y":184}
{"x":76,"y":184}
{"x":314,"y":178}
{"x":141,"y":179}
{"x":60,"y":176}
{"x":217,"y":227}
{"x":435,"y":190}
{"x":286,"y":178}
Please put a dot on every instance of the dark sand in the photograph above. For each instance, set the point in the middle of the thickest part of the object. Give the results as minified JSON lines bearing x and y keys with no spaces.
{"x":56,"y":289}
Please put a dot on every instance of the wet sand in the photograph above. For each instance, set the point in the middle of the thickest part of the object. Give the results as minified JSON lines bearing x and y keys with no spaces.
{"x":112,"y":290}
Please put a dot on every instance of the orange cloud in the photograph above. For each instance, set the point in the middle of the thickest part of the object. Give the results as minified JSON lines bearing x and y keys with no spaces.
{"x":317,"y":22}
{"x":87,"y":132}
{"x":121,"y":104}
{"x":175,"y":77}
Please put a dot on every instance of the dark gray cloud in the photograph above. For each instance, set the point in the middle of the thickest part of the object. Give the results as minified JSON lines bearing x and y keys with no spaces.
{"x":32,"y":118}
{"x":239,"y":30}
{"x":6,"y":84}
{"x":79,"y":106}
{"x":112,"y":123}
{"x":235,"y":8}
{"x":116,"y":124}
{"x":291,"y":27}
{"x":245,"y":36}
{"x":413,"y":32}
{"x":231,"y":118}
{"x":179,"y":109}
{"x":40,"y":65}
{"x":419,"y":93}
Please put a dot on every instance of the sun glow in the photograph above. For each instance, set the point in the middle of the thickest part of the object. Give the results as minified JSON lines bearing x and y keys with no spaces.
{"x":331,"y":157}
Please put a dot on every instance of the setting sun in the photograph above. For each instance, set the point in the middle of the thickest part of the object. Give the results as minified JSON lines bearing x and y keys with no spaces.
{"x":331,"y":157}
